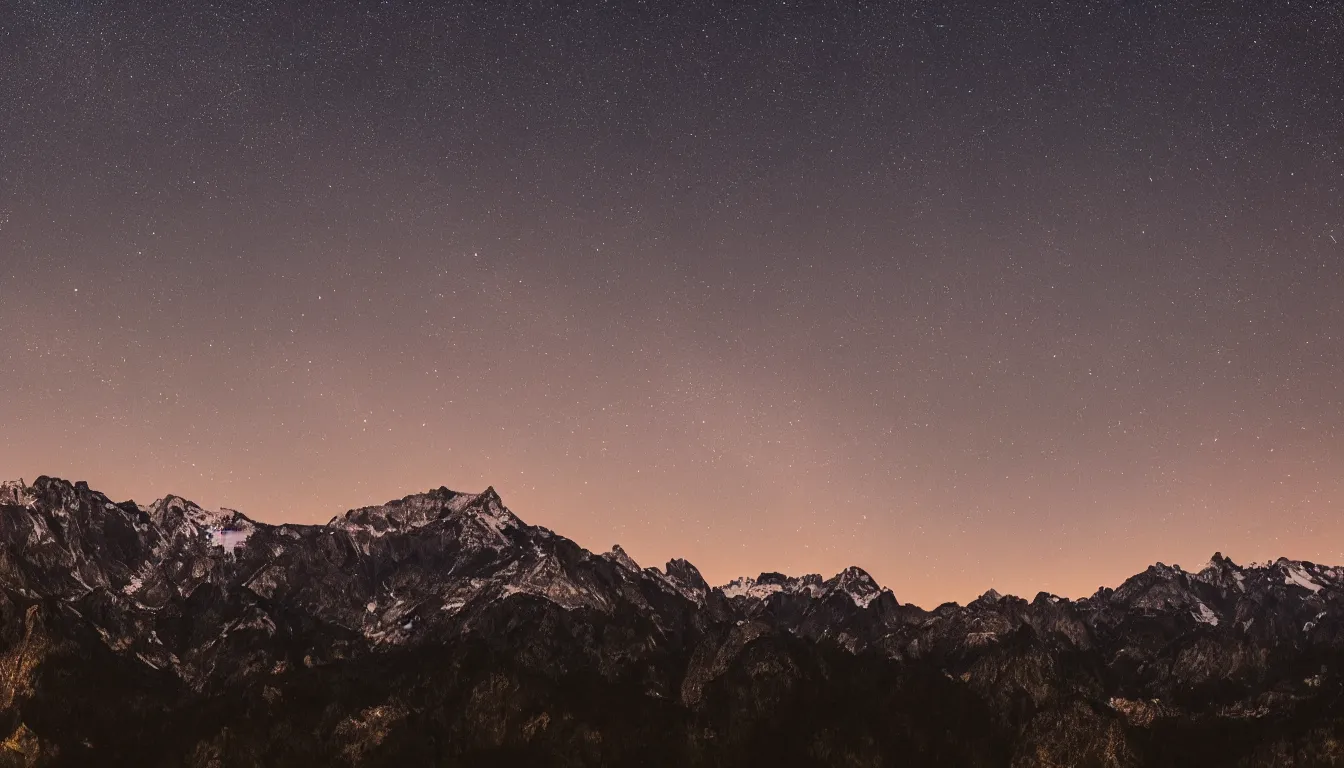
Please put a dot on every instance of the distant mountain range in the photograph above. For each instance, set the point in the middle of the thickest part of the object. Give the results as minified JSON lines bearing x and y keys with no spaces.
{"x":440,"y":629}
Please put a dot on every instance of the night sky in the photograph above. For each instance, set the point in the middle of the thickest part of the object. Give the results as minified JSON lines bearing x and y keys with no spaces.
{"x":1025,"y":297}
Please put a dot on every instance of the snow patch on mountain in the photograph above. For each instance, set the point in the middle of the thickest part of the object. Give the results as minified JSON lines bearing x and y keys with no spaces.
{"x":1295,"y":574}
{"x":745,"y":586}
{"x":545,"y":576}
{"x":229,"y":538}
{"x":853,"y":583}
{"x":16,"y":492}
{"x":493,"y":515}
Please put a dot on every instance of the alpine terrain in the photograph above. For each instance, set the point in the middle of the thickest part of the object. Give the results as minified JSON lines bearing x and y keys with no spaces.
{"x":440,"y":629}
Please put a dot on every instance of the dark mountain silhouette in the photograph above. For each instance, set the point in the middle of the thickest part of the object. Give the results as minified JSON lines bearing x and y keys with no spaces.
{"x":440,"y":629}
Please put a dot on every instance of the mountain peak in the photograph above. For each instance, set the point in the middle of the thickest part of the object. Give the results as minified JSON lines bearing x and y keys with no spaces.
{"x":47,"y":487}
{"x":1223,"y":573}
{"x":172,"y":512}
{"x":619,"y":556}
{"x":1166,"y":571}
{"x":856,"y":584}
{"x":172,"y":502}
{"x":854,"y":576}
{"x":14,"y":492}
{"x":685,"y":575}
{"x":482,"y":517}
{"x":1219,"y":563}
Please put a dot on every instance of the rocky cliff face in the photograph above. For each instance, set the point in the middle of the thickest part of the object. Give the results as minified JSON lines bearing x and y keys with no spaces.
{"x":440,"y":629}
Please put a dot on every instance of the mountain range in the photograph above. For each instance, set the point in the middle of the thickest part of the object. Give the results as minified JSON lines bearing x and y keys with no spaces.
{"x":440,"y":629}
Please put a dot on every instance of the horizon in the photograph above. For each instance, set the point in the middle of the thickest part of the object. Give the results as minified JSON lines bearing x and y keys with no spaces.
{"x":714,"y":581}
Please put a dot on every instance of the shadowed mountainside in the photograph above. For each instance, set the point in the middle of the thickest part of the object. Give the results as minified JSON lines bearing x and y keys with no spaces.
{"x":440,"y":629}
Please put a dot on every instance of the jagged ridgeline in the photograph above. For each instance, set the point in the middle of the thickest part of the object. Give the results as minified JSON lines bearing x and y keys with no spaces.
{"x":440,"y":629}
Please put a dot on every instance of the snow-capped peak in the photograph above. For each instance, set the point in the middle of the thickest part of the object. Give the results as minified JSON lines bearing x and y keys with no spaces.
{"x":770,"y":583}
{"x":856,"y":583}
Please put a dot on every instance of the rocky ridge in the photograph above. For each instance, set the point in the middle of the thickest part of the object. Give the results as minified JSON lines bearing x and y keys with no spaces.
{"x":442,"y":629}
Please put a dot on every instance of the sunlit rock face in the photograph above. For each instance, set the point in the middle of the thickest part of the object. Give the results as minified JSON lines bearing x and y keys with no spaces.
{"x":440,"y":629}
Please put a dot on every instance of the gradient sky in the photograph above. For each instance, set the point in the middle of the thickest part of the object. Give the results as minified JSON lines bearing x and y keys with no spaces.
{"x":1025,"y":297}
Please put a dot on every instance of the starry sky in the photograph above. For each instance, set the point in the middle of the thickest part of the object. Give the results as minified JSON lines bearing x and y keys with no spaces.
{"x":1025,"y":296}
